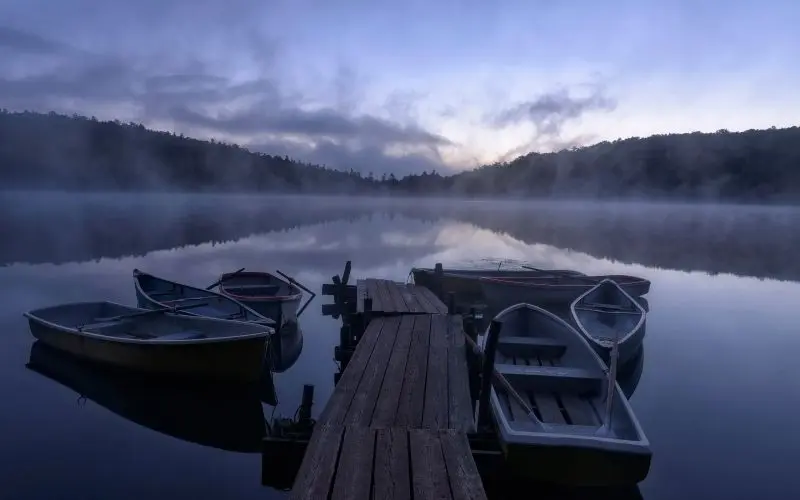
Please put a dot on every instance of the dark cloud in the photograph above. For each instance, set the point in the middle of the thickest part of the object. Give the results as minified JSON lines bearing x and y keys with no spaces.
{"x":197,"y":98}
{"x":549,"y":113}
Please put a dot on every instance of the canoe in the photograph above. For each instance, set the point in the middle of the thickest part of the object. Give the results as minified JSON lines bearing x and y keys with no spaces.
{"x":265,"y":293}
{"x":154,"y":341}
{"x":503,"y":292}
{"x":153,"y":292}
{"x":569,"y":438}
{"x":466,"y":282}
{"x":606,"y":312}
{"x":223,"y":416}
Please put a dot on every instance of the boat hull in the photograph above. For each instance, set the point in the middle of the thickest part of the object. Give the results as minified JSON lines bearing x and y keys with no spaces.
{"x":465,"y":283}
{"x":281,"y":309}
{"x":501,"y":293}
{"x":235,"y":360}
{"x":573,"y":466}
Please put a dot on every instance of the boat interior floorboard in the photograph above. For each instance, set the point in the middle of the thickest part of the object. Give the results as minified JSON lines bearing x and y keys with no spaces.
{"x":565,"y":408}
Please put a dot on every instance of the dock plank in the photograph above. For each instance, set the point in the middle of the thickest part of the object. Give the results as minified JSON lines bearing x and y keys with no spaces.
{"x":374,"y":293}
{"x":459,"y":399}
{"x":369,"y":388}
{"x":412,"y":395}
{"x":339,"y":402}
{"x":354,"y":473}
{"x":396,"y":296}
{"x":361,"y":294}
{"x":319,"y":464}
{"x":436,"y":398}
{"x":437,"y":306}
{"x":428,"y":471}
{"x":389,"y":398}
{"x":392,"y":465}
{"x":412,"y":300}
{"x":465,"y":481}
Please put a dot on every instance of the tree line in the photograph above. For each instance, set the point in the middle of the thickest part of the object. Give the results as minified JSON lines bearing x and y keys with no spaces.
{"x":52,"y":151}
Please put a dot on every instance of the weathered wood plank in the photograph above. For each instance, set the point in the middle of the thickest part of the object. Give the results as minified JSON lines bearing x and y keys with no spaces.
{"x":361,"y":294}
{"x":369,"y":388}
{"x":412,"y":396}
{"x":458,"y":396}
{"x":436,"y":398}
{"x":396,"y":296}
{"x":465,"y":481}
{"x":374,"y":293}
{"x":579,"y":410}
{"x":545,"y":402}
{"x":428,"y":471}
{"x":390,"y":303}
{"x":354,"y":472}
{"x":319,"y":464}
{"x":438,"y":306}
{"x":339,"y":402}
{"x":392,"y":478}
{"x":517,"y":412}
{"x":389,"y":398}
{"x":411,"y":300}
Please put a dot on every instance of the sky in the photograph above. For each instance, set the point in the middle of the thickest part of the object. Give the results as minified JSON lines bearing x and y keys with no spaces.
{"x":407,"y":86}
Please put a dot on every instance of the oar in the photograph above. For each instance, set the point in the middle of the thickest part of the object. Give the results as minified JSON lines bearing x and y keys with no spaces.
{"x":507,"y":387}
{"x":149,"y":312}
{"x":220,"y":280}
{"x":610,"y":390}
{"x":295,"y":282}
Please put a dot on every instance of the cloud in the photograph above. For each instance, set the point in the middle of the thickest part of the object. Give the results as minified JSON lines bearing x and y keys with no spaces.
{"x":549,"y":113}
{"x":197,"y":97}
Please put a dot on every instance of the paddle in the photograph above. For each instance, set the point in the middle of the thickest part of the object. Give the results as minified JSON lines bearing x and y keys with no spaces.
{"x":149,"y":312}
{"x":610,"y":390}
{"x":300,"y":285}
{"x":507,"y":387}
{"x":220,"y":280}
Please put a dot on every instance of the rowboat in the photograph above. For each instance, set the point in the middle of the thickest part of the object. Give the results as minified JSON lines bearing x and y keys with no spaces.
{"x":606,"y":314}
{"x":503,"y":292}
{"x":265,"y":293}
{"x":224,"y":416}
{"x":284,"y":349}
{"x":466,"y":282}
{"x":154,"y":340}
{"x":153,"y":292}
{"x":560,"y":418}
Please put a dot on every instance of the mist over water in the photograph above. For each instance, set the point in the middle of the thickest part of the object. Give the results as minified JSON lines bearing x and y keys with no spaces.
{"x":720,"y":342}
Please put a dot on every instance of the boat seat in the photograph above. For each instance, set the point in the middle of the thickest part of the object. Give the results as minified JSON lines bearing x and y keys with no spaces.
{"x":528,"y":347}
{"x":185,"y":335}
{"x":552,"y":378}
{"x":263,"y":289}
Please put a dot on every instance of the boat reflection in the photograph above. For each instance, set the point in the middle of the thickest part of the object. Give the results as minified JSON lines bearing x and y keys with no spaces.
{"x":224,"y":416}
{"x":285,"y":347}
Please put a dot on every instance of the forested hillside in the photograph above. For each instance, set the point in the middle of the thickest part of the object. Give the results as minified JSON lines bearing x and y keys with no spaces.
{"x":59,"y":152}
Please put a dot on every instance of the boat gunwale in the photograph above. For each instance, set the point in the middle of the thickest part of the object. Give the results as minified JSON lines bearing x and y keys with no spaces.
{"x":259,"y":298}
{"x":31,"y":316}
{"x":608,"y":343}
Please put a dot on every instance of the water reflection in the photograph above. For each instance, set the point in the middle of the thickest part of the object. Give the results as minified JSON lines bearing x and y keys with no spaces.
{"x":228,"y":417}
{"x":717,"y":397}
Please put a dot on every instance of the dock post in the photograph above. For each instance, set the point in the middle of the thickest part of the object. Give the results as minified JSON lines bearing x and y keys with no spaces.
{"x":470,"y":328}
{"x":344,"y":336}
{"x":438,"y":272}
{"x":346,"y":273}
{"x":451,"y":303}
{"x":489,"y":350}
{"x":306,"y":404}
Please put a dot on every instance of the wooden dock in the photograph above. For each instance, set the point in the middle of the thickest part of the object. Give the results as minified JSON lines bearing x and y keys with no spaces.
{"x":392,"y":298}
{"x":396,"y":425}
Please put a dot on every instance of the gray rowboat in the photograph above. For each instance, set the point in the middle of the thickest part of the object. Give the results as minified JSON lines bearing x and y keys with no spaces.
{"x":571,"y":437}
{"x":154,"y":341}
{"x":502,"y":292}
{"x":607,"y":312}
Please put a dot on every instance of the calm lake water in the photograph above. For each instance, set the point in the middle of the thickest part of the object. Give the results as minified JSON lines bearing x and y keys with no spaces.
{"x":718,"y":397}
